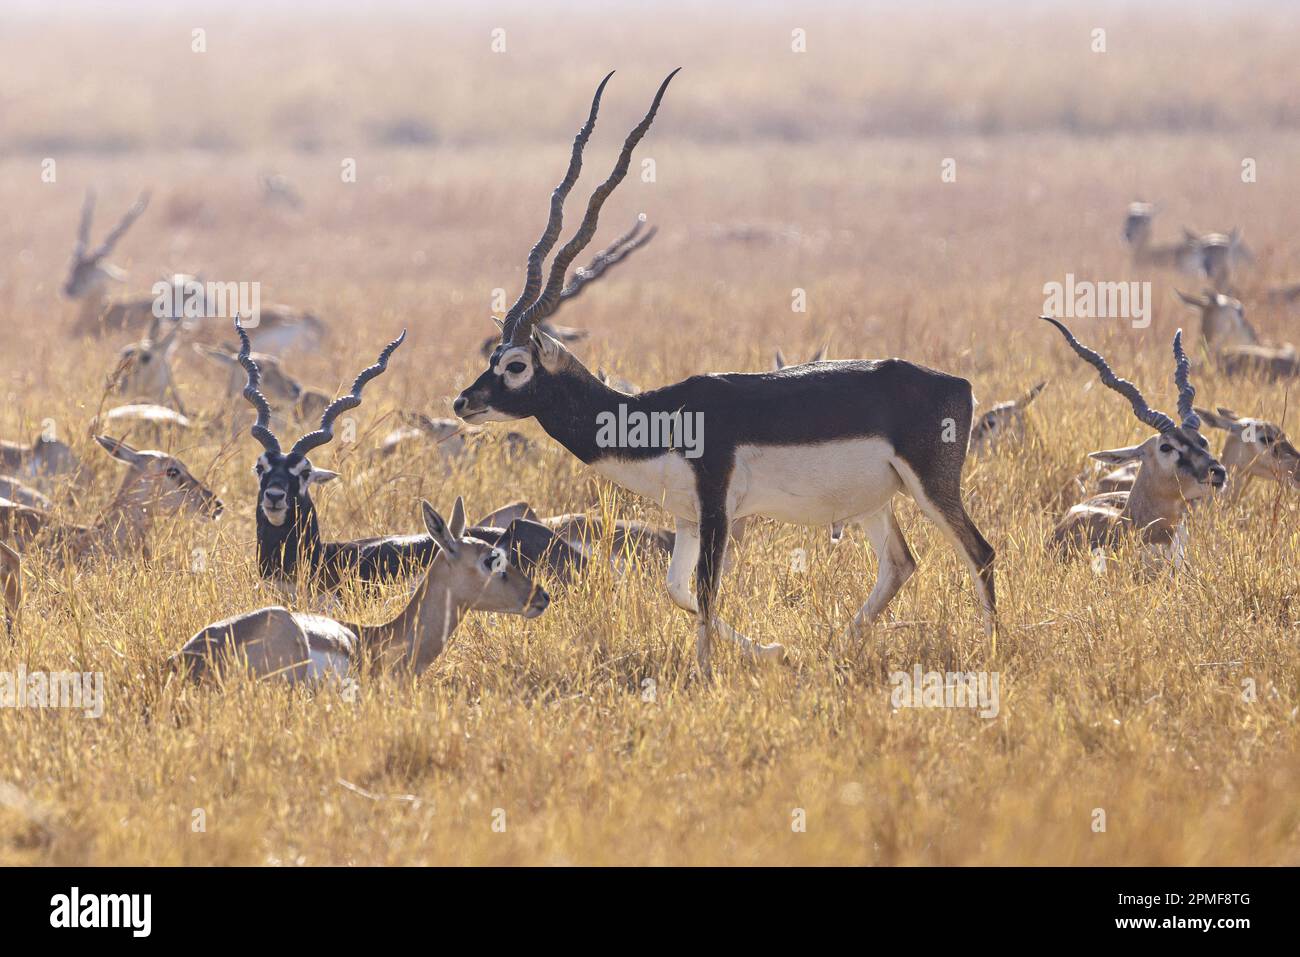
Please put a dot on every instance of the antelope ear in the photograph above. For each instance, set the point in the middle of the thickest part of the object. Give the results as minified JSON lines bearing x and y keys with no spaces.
{"x":438,"y":528}
{"x":1217,"y":421}
{"x":457,"y":526}
{"x":1117,"y":456}
{"x":778,"y":360}
{"x":1196,"y":302}
{"x":549,"y":347}
{"x":1031,"y":395}
{"x":321,"y":476}
{"x":119,"y":450}
{"x":501,"y":323}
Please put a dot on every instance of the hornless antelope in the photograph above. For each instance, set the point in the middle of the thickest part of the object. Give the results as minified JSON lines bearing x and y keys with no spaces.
{"x":1253,"y":448}
{"x":1176,"y":468}
{"x":1004,"y":423}
{"x":306,"y":403}
{"x":1235,"y":344}
{"x":144,"y":369}
{"x":611,"y":255}
{"x":1184,"y":256}
{"x":581,"y":533}
{"x":11,"y":584}
{"x":448,"y":436}
{"x":466,"y":575}
{"x":16,"y":491}
{"x":818,"y":444}
{"x":43,"y":458}
{"x":155,"y":482}
{"x":90,"y":275}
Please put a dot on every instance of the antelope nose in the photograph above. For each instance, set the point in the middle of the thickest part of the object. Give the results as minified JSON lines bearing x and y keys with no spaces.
{"x":459,"y":405}
{"x":274,"y":496}
{"x":1218,"y":475}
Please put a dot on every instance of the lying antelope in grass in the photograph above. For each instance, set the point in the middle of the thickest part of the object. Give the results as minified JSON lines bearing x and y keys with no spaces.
{"x":42,"y":458}
{"x":610,"y":256}
{"x":1253,"y":448}
{"x":1005,"y":423}
{"x":1232,"y":340}
{"x":1176,"y":468}
{"x":90,"y":276}
{"x":19,"y":492}
{"x":1211,"y":255}
{"x":466,"y":575}
{"x":448,"y":436}
{"x":154,"y":483}
{"x":820,"y":444}
{"x":303,"y":403}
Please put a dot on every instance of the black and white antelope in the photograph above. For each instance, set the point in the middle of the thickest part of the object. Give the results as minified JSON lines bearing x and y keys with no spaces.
{"x":90,"y":275}
{"x":610,"y":256}
{"x":819,"y":444}
{"x":1176,"y":468}
{"x":466,"y":575}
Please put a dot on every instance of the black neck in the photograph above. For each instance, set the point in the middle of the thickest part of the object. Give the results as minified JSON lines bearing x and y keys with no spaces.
{"x":281,"y":549}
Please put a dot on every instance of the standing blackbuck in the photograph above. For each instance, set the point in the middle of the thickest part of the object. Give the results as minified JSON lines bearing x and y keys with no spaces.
{"x":1176,"y":468}
{"x":466,"y":575}
{"x":91,"y":275}
{"x":817,"y":444}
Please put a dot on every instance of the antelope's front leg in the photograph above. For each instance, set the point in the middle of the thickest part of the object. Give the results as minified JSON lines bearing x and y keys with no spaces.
{"x":711,"y":547}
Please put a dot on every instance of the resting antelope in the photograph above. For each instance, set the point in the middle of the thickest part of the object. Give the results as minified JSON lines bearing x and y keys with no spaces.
{"x":144,"y":369}
{"x":43,"y":458}
{"x":1176,"y":468}
{"x":467,"y":575}
{"x":154,"y":482}
{"x":303,"y":402}
{"x":610,"y":256}
{"x":1232,"y":340}
{"x":23,"y":494}
{"x":1252,"y":448}
{"x":1003,"y":423}
{"x":1183,"y":256}
{"x":90,"y":275}
{"x":818,"y":444}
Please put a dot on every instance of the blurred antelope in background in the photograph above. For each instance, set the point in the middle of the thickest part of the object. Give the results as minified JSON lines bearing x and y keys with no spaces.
{"x":465,"y":575}
{"x":42,"y":458}
{"x":154,"y":482}
{"x":296,"y":402}
{"x":1004,"y":423}
{"x":1253,"y":448}
{"x":144,"y":369}
{"x":11,"y":585}
{"x":1175,"y":468}
{"x":1233,"y":342}
{"x":1184,"y":256}
{"x":91,"y":276}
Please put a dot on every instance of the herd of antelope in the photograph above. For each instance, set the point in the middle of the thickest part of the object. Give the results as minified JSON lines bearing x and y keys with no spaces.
{"x":819,"y":443}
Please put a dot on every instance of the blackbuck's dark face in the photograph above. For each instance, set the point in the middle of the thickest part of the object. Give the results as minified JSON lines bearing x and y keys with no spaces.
{"x":517,"y":382}
{"x":1137,"y":224}
{"x":1181,"y":455}
{"x":284,"y":484}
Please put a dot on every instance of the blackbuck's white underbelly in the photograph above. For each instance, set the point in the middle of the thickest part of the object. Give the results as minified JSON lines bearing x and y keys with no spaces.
{"x":804,"y":485}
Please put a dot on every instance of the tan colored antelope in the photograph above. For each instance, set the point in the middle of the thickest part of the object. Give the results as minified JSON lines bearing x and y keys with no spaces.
{"x":144,"y":369}
{"x":294,"y":402}
{"x":154,"y":482}
{"x":1184,"y":256}
{"x":1232,"y":340}
{"x":43,"y":458}
{"x":466,"y":575}
{"x":23,"y":494}
{"x":582,"y":533}
{"x":91,"y":275}
{"x":1176,"y":468}
{"x":11,"y":584}
{"x":1253,"y":448}
{"x":1005,"y":423}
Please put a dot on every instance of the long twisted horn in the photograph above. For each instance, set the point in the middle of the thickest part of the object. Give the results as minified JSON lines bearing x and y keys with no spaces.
{"x":550,"y":298}
{"x":261,"y":429}
{"x":1157,"y":420}
{"x":83,"y":227}
{"x":611,"y":255}
{"x":343,"y":403}
{"x":537,"y":256}
{"x":116,"y":233}
{"x":1182,"y":379}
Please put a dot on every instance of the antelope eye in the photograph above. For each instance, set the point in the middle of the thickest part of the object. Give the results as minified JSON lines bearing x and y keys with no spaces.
{"x":257,"y":469}
{"x":173,"y":472}
{"x":516,"y":367}
{"x":144,"y":357}
{"x":1266,"y":439}
{"x":1166,"y":448}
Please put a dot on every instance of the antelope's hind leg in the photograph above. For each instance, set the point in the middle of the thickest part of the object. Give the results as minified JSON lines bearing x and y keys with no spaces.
{"x":896,"y":566}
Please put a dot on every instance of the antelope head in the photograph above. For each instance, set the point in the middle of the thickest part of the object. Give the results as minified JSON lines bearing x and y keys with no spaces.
{"x":144,"y":367}
{"x":1137,"y":223}
{"x":1004,"y":421}
{"x":1176,"y":461}
{"x":525,"y":364}
{"x":161,"y":481}
{"x":1223,"y":320}
{"x":1255,"y":447}
{"x":285,"y":478}
{"x":480,"y":576}
{"x":90,"y":273}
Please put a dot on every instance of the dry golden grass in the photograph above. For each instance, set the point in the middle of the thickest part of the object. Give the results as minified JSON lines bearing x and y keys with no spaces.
{"x":1116,"y":692}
